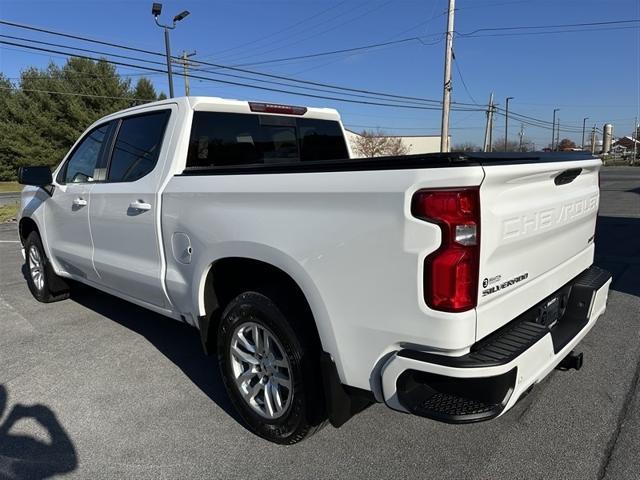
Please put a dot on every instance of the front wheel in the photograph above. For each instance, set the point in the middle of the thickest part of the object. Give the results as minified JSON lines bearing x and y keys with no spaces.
{"x":269,"y":371}
{"x":43,"y":283}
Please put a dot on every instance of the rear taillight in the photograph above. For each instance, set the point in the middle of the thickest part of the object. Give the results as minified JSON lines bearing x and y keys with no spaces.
{"x":451,"y":272}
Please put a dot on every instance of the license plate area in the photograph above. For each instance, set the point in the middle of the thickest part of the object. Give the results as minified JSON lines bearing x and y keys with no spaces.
{"x":566,"y":311}
{"x":550,"y":311}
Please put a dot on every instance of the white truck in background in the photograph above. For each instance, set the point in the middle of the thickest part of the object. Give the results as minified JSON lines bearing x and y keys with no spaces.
{"x":445,"y":285}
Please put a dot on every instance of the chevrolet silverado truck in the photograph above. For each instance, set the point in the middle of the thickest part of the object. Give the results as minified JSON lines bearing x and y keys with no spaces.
{"x":444,"y":285}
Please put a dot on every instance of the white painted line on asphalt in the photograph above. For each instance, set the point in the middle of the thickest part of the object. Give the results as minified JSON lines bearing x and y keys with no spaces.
{"x":9,"y":241}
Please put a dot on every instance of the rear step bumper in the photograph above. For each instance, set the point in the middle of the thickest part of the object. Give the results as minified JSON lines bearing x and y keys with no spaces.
{"x":487,"y":381}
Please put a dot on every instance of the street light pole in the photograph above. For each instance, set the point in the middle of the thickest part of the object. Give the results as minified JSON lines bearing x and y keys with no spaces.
{"x":156,"y":10}
{"x":167,"y":49}
{"x":553,"y":128}
{"x":584,"y":122}
{"x":506,"y":122}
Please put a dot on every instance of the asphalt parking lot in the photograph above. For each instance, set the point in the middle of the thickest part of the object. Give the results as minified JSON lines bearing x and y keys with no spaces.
{"x":93,"y":387}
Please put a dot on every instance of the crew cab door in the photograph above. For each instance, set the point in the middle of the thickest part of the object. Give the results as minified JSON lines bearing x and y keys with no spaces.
{"x":67,"y":211}
{"x":125,"y":215}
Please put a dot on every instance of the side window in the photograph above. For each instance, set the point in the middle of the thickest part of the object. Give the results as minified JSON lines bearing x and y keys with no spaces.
{"x":137,"y":146}
{"x":82,"y":166}
{"x":222,"y":139}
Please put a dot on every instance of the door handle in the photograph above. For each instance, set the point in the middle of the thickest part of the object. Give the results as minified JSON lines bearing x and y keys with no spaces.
{"x":79,"y":202}
{"x":139,"y":205}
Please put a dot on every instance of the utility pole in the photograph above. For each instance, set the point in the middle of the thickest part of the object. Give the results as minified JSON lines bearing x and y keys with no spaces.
{"x":521,"y":134}
{"x":185,"y":69}
{"x":506,"y":123}
{"x":584,"y":122}
{"x":493,"y":116}
{"x":593,"y":140}
{"x":488,"y":128}
{"x":446,"y":94}
{"x":635,"y":141}
{"x":553,"y":128}
{"x":558,"y":134}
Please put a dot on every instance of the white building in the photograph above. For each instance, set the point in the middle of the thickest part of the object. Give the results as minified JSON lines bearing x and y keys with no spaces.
{"x":415,"y":143}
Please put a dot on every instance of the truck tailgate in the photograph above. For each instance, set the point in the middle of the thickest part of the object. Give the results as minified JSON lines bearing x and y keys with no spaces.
{"x":537,"y":233}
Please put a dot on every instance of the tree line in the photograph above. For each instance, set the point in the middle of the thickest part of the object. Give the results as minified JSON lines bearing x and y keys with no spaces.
{"x":44,"y":112}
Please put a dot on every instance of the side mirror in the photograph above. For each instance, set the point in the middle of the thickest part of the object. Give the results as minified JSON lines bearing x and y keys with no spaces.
{"x":38,"y":176}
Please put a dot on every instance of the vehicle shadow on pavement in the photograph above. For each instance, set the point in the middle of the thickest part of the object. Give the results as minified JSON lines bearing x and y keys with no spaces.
{"x":25,"y":457}
{"x":177,"y":341}
{"x":618,"y":250}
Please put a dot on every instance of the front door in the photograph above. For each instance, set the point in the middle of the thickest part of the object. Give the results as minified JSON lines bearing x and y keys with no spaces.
{"x":67,"y":211}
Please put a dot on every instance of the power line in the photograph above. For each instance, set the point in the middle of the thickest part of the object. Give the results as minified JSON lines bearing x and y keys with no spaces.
{"x":408,"y":128}
{"x":538,"y":123}
{"x":75,"y":94}
{"x":336,"y":52}
{"x":565,"y":25}
{"x":273,"y":34}
{"x":333,"y":27}
{"x":368,"y":95}
{"x":162,"y":64}
{"x":551,"y":32}
{"x":77,"y":37}
{"x":226,"y":67}
{"x":464,"y":84}
{"x":422,"y":23}
{"x":87,"y":50}
{"x":228,"y":82}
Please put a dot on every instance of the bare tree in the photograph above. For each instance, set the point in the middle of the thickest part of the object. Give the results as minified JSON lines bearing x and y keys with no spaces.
{"x":370,"y":143}
{"x":396,"y":146}
{"x":512,"y":145}
{"x":566,"y":144}
{"x":466,"y":147}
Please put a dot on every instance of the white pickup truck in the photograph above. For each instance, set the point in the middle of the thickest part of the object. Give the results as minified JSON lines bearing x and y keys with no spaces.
{"x":444,"y":285}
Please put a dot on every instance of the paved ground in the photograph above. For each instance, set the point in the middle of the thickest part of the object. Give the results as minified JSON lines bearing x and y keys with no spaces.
{"x":97,"y":388}
{"x":9,"y":197}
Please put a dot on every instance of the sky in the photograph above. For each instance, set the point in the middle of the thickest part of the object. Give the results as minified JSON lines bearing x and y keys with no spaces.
{"x":591,"y":73}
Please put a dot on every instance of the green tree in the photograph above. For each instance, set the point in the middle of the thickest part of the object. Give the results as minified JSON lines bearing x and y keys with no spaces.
{"x":145,"y":91}
{"x":44,"y":114}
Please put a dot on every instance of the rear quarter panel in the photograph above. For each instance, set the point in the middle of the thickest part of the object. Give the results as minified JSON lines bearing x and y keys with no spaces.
{"x":346,"y":238}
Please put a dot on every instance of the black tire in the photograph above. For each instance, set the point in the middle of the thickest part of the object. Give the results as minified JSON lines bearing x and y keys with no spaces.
{"x":306,"y":413}
{"x":51,"y":287}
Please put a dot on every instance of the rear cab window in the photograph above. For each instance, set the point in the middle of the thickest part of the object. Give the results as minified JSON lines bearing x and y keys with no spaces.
{"x":225,"y":139}
{"x":137,"y":146}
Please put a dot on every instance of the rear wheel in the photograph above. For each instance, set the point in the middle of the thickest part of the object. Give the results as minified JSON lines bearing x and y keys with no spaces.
{"x":43,"y":283}
{"x":270,"y":370}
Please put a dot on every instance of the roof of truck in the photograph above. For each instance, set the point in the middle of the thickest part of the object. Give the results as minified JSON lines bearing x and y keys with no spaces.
{"x":217,"y":104}
{"x":242,"y":106}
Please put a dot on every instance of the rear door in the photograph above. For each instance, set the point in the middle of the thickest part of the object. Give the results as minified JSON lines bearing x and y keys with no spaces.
{"x":537,"y":233}
{"x":124,"y":214}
